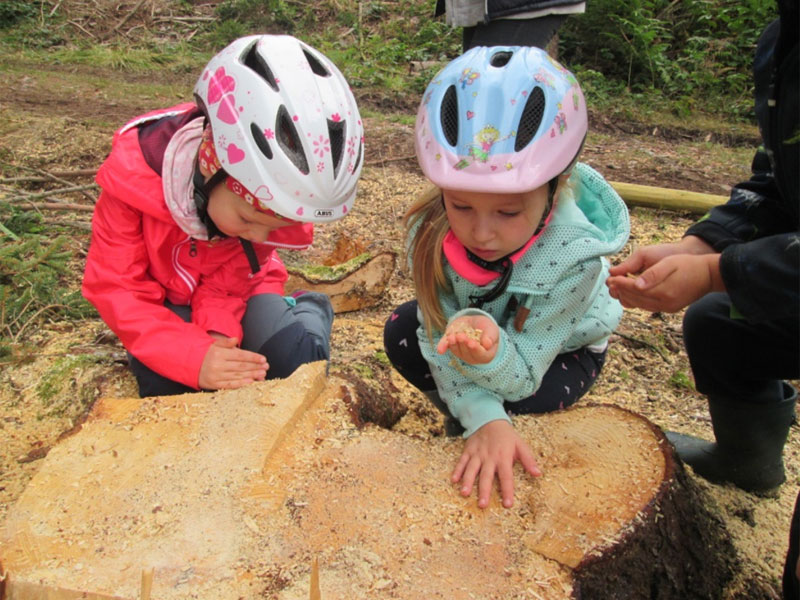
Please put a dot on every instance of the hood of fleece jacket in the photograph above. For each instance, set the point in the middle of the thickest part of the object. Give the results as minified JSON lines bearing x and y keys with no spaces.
{"x":593,"y":224}
{"x":125,"y":173}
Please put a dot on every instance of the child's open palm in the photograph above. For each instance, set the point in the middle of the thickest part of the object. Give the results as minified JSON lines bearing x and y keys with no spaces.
{"x":472,"y":338}
{"x":227,"y":366}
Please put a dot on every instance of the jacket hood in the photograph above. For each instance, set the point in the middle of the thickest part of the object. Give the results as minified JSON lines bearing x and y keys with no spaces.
{"x":594,"y":224}
{"x":125,"y":173}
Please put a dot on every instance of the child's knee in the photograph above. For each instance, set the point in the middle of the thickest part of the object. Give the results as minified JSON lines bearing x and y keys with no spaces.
{"x":293,"y":346}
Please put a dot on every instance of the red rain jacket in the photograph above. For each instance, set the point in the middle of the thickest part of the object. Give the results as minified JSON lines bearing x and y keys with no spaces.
{"x":139,"y":258}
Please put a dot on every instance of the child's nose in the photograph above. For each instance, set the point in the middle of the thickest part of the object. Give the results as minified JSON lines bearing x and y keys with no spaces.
{"x":482,"y":230}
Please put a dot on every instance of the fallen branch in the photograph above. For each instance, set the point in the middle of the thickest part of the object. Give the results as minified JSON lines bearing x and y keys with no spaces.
{"x":126,"y":17}
{"x":378,"y":161}
{"x":76,"y":224}
{"x":641,"y":342}
{"x":45,"y":175}
{"x":61,"y":206}
{"x":656,"y":197}
{"x":27,"y":196}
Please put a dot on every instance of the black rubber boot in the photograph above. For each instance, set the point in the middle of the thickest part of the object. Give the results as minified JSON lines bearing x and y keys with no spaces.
{"x":749,"y":447}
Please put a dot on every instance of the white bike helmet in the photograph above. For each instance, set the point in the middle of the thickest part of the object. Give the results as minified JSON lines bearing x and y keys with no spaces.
{"x":500,"y":119}
{"x":285,"y":125}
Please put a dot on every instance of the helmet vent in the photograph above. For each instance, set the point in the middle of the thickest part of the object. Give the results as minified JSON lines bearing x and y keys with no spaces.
{"x":358,"y":157}
{"x":531,"y":119}
{"x":500,"y":59}
{"x":254,"y":61}
{"x":336,"y":133}
{"x":317,"y":67}
{"x":289,"y":140}
{"x":261,"y":140}
{"x":449,"y":115}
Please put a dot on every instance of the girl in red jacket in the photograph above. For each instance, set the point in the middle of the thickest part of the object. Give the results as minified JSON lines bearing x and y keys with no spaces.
{"x":195,"y":200}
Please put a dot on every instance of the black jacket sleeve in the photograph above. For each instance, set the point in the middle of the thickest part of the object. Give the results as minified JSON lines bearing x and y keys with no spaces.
{"x":758,"y":229}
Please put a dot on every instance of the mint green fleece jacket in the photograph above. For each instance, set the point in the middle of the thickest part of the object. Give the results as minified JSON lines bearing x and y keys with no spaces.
{"x":561,"y":279}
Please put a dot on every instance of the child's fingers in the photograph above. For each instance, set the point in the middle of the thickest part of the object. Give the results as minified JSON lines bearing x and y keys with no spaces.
{"x":486,"y":484}
{"x":505,"y":475}
{"x":528,"y":461}
{"x":458,"y":470}
{"x":471,"y":470}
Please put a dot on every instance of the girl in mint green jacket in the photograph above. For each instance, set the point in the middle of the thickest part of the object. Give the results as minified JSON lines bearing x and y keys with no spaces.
{"x":512,"y":314}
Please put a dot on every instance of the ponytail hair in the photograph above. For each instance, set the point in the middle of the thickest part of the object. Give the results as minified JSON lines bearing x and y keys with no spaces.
{"x":429,"y":218}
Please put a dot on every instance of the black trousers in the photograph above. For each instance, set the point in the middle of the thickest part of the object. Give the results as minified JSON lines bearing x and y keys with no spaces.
{"x":513,"y":32}
{"x":569,"y":377}
{"x":734,"y":358}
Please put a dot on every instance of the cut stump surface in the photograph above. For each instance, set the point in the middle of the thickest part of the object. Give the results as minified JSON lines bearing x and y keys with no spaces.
{"x":238,"y":494}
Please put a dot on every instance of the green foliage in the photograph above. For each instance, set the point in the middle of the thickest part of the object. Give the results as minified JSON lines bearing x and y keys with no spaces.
{"x":33,"y":280}
{"x":373,"y":43}
{"x":52,"y":385}
{"x":634,"y":58}
{"x":690,"y":49}
{"x":14,"y":11}
{"x":680,"y":379}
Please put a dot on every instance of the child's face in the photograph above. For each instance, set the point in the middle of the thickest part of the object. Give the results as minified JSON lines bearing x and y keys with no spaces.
{"x":235,"y":217}
{"x":491,"y":225}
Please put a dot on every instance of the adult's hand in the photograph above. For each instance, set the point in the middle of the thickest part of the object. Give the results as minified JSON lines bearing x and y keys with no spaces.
{"x":666,"y":277}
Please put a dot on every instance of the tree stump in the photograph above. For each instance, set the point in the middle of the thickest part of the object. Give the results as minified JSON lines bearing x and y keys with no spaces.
{"x":271,"y":491}
{"x":352,"y":285}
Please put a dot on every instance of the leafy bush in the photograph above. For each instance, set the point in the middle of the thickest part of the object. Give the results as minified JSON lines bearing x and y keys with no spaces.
{"x":701,"y":48}
{"x":14,"y":11}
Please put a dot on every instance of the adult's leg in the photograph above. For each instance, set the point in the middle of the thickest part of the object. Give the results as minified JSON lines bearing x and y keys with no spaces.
{"x":288,"y":331}
{"x":152,"y":383}
{"x":513,"y":32}
{"x":740,"y":367}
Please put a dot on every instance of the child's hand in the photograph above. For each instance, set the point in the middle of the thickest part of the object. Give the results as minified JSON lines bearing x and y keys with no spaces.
{"x":472,"y":338}
{"x":226,"y":366}
{"x":493,"y":449}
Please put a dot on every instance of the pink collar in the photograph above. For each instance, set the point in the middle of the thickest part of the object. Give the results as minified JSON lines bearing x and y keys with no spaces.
{"x":456,"y":255}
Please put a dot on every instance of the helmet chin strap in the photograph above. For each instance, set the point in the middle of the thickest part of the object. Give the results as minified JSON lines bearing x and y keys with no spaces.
{"x":505,"y":265}
{"x":202,"y":193}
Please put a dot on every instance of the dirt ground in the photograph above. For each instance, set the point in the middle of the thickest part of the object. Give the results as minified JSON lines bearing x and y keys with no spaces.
{"x":61,"y":120}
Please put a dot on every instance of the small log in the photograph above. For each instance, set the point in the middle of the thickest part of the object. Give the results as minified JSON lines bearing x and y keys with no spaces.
{"x":270,"y":491}
{"x":649,"y":197}
{"x":657,"y":197}
{"x":356,"y":284}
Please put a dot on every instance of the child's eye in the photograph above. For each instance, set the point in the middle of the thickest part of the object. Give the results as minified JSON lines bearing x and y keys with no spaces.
{"x":507,"y":213}
{"x":460,"y":206}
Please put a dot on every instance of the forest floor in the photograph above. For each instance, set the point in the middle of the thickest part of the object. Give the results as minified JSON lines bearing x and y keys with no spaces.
{"x":60,"y":120}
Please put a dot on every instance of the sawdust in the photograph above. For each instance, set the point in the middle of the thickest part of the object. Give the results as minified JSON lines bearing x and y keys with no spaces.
{"x":647,"y":370}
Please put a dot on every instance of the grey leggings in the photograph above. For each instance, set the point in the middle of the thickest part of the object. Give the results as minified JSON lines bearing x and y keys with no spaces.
{"x":288,"y":331}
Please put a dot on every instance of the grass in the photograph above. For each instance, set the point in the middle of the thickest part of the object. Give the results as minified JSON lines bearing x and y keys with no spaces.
{"x":387,"y":50}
